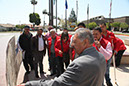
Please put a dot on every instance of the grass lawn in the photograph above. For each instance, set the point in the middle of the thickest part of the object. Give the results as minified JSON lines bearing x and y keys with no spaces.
{"x":127,"y":34}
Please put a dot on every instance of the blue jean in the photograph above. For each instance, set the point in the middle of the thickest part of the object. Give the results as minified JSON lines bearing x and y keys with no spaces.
{"x":107,"y":74}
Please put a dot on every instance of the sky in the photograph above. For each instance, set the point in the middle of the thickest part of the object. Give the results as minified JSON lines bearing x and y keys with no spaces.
{"x":17,"y":11}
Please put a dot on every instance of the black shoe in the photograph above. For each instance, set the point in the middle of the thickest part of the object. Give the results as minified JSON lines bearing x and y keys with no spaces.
{"x":117,"y":65}
{"x":42,"y":72}
{"x":37,"y":76}
{"x":109,"y":84}
{"x":28,"y":72}
{"x":111,"y":64}
{"x":52,"y":74}
{"x":57,"y":75}
{"x":49,"y":69}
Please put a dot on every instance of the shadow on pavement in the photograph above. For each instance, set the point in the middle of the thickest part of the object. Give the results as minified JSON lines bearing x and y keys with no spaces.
{"x":31,"y":77}
{"x":123,"y":68}
{"x":50,"y":77}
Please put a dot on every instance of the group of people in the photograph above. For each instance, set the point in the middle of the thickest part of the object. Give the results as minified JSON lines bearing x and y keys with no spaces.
{"x":109,"y":45}
{"x":90,"y":52}
{"x":34,"y":49}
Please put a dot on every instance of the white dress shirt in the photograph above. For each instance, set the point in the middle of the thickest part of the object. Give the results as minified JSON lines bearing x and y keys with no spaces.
{"x":40,"y":43}
{"x":106,"y":52}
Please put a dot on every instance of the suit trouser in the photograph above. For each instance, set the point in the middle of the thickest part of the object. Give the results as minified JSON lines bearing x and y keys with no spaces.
{"x":38,"y":60}
{"x":28,"y":60}
{"x":66,"y":59}
{"x":67,"y":62}
{"x":60,"y":65}
{"x":118,"y":57}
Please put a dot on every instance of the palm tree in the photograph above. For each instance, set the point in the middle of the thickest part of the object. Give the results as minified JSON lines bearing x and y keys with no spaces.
{"x":34,"y":2}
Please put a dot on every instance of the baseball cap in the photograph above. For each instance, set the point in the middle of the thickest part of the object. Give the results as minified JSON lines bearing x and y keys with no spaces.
{"x":26,"y":27}
{"x":52,"y":30}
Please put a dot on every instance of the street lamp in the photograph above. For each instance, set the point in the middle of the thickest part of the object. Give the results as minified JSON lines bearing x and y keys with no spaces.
{"x":44,"y":12}
{"x":34,"y":2}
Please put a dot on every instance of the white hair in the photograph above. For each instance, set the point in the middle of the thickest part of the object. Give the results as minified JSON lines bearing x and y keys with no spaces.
{"x":84,"y":33}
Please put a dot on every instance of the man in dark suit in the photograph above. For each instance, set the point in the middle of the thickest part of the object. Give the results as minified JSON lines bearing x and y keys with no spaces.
{"x":25,"y":44}
{"x":87,"y":69}
{"x":39,"y":50}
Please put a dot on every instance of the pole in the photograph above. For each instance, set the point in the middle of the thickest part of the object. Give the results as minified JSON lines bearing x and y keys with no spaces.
{"x":52,"y":12}
{"x":44,"y":21}
{"x":33,"y":8}
{"x":65,"y":16}
{"x":110,"y":14}
{"x":77,"y":10}
{"x":34,"y":14}
{"x":87,"y":14}
{"x":114,"y":69}
{"x":56,"y":15}
{"x":49,"y":12}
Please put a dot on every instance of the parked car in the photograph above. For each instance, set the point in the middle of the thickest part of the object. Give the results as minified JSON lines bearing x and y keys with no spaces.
{"x":44,"y":30}
{"x":125,"y":31}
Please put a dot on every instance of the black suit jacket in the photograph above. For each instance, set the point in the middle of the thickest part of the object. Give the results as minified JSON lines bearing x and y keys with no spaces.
{"x":25,"y":42}
{"x":35,"y":44}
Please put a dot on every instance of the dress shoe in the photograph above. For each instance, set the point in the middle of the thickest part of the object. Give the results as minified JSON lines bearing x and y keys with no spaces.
{"x":109,"y":84}
{"x":52,"y":74}
{"x":37,"y":76}
{"x":42,"y":72}
{"x":57,"y":75}
{"x":49,"y":69}
{"x":28,"y":72}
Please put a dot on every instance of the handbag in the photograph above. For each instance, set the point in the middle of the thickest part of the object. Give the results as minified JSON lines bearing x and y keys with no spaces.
{"x":65,"y":55}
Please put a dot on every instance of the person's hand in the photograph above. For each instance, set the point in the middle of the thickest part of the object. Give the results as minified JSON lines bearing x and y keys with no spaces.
{"x":115,"y":52}
{"x":21,"y":85}
{"x":60,"y":52}
{"x":97,"y":43}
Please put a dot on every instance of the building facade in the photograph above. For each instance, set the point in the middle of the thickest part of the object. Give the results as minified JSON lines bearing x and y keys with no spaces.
{"x":101,"y":19}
